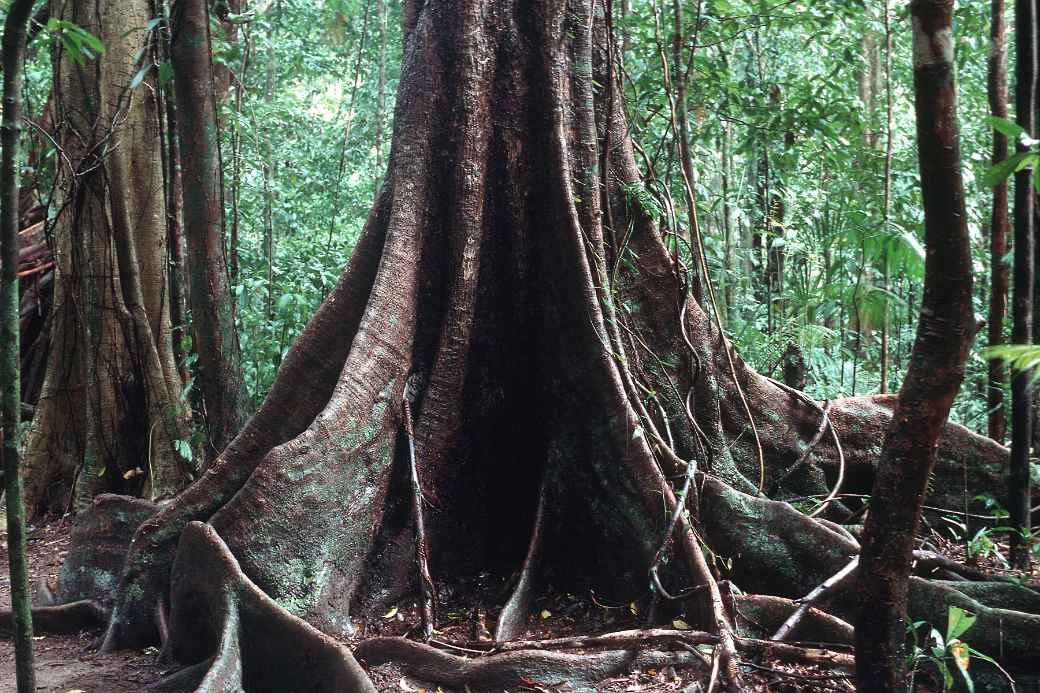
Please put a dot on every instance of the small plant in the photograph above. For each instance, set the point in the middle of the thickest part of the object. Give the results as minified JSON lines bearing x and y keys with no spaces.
{"x":941,"y":652}
{"x":1018,"y":161}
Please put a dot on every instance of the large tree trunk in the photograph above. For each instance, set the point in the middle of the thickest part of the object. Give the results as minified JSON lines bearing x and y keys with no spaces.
{"x":936,"y":370}
{"x":110,"y":412}
{"x":529,"y":332}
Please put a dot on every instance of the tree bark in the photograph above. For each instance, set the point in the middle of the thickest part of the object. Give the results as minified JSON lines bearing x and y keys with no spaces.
{"x":999,"y":224}
{"x":1024,"y":278}
{"x":14,"y":41}
{"x":936,"y":370}
{"x":110,"y":412}
{"x":213,"y":321}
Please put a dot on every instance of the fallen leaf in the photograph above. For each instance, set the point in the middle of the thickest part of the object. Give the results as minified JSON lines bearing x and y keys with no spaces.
{"x":546,"y":613}
{"x":680,"y":624}
{"x":391,"y":614}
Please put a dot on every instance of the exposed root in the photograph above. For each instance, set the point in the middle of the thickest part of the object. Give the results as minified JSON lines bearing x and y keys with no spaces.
{"x":513,"y":618}
{"x":217,"y":609}
{"x":66,"y":618}
{"x":509,"y":669}
{"x":541,"y":662}
{"x":765,"y":614}
{"x":185,"y":679}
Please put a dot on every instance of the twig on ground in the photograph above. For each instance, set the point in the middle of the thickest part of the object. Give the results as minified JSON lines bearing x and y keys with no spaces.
{"x":833,"y":584}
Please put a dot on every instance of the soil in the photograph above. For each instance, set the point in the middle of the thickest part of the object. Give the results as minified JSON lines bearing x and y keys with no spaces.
{"x":68,"y":663}
{"x":71,"y":663}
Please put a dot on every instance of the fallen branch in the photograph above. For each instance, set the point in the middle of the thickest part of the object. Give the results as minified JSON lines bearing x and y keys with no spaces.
{"x":831,"y":585}
{"x":933,"y":560}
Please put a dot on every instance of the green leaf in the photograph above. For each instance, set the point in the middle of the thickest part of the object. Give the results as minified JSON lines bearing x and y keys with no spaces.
{"x":959,"y":621}
{"x":1006,"y":127}
{"x":999,"y":173}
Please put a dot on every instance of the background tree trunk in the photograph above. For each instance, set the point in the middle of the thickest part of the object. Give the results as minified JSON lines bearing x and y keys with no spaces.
{"x":110,"y":412}
{"x":999,"y":225}
{"x":213,"y":320}
{"x":944,"y":334}
{"x":1024,"y":277}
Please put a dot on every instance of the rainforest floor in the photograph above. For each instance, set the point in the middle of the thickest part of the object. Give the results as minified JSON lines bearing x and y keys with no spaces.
{"x":71,"y":663}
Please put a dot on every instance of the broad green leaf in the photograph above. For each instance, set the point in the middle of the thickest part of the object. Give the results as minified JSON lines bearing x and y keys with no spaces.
{"x":999,"y":173}
{"x":1006,"y":127}
{"x":959,"y":621}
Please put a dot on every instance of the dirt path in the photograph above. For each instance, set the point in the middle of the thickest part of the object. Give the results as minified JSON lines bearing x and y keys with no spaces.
{"x":66,"y":663}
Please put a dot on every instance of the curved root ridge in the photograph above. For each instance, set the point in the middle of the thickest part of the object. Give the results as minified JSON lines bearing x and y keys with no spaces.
{"x":514,"y":668}
{"x":219,"y":617}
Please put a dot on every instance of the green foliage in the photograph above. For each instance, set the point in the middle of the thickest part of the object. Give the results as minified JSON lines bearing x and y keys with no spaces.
{"x":319,"y":184}
{"x":781,"y":104}
{"x":1020,"y":357}
{"x":80,"y":44}
{"x":946,"y":654}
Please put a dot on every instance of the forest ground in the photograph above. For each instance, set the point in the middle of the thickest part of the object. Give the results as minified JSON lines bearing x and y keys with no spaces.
{"x":70,"y":663}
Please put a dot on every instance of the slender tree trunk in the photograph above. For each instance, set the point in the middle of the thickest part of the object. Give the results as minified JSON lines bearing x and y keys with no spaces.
{"x":1024,"y":276}
{"x":729,"y":271}
{"x":887,"y":194}
{"x":269,"y":166}
{"x":999,"y":224}
{"x":381,"y":16}
{"x":213,"y":323}
{"x":685,"y":161}
{"x":14,"y":40}
{"x":174,"y":211}
{"x":944,"y":335}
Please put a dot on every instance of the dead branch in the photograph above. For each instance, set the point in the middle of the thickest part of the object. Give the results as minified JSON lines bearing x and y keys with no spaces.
{"x":831,"y":585}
